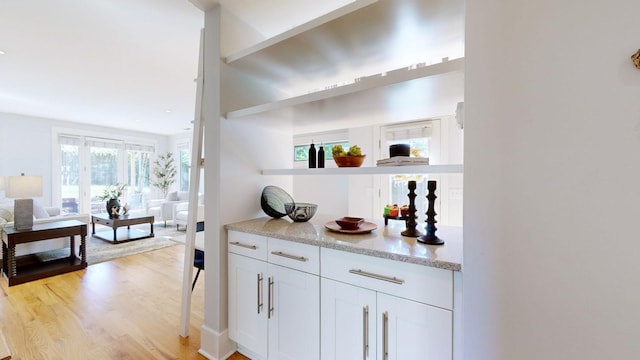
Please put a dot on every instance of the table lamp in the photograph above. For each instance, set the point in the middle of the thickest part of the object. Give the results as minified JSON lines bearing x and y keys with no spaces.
{"x":23,"y":189}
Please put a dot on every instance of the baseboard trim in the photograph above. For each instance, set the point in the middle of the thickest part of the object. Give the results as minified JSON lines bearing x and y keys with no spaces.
{"x":215,"y":345}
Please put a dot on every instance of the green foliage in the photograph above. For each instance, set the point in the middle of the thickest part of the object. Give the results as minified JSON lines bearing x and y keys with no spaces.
{"x":113,"y":192}
{"x":164,"y":172}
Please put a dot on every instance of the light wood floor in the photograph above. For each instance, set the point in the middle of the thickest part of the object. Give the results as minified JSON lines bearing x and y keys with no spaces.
{"x":128,"y":308}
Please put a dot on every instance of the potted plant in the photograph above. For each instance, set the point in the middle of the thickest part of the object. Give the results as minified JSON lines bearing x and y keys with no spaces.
{"x":112,"y":194}
{"x":164,"y":172}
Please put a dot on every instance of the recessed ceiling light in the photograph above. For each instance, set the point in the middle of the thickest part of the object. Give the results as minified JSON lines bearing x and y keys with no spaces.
{"x":2,"y":52}
{"x":167,"y":110}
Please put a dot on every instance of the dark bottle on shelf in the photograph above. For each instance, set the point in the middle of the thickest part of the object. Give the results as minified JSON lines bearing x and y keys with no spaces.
{"x":321,"y":156}
{"x":312,"y":155}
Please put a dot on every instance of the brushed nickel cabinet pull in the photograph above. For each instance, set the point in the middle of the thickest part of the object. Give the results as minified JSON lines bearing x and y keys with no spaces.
{"x":270,"y":312}
{"x":365,"y":332}
{"x":394,"y":279}
{"x":237,"y":243}
{"x":385,"y":335}
{"x":260,"y":303}
{"x":288,"y":256}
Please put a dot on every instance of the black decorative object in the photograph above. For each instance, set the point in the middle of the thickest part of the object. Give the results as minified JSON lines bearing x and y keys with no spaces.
{"x":399,"y":150}
{"x":113,"y":208}
{"x":312,"y":155}
{"x":276,"y":202}
{"x":321,"y":156}
{"x":430,"y":237}
{"x":411,"y":217}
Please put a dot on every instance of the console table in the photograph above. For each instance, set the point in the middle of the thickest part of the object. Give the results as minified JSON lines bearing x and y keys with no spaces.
{"x":121,"y":235}
{"x":21,"y":269}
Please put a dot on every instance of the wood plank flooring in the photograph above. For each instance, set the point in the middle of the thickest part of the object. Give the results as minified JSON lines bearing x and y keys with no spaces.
{"x":128,"y":308}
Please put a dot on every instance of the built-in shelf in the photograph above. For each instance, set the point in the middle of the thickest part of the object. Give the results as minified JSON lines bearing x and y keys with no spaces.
{"x":365,"y":83}
{"x":381,"y":170}
{"x":353,"y":6}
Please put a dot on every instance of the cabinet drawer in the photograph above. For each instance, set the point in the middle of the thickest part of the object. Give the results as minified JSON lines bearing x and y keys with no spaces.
{"x":246,"y":244}
{"x":424,"y":284}
{"x":294,"y":255}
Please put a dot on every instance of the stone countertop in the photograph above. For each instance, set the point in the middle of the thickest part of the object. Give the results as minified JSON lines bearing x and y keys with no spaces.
{"x":385,"y":242}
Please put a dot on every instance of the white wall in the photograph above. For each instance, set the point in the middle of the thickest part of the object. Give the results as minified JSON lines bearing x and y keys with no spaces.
{"x":552,"y":123}
{"x":26,"y":146}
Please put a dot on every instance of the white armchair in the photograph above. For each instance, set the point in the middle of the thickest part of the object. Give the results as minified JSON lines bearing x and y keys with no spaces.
{"x":181,"y":215}
{"x":164,"y":209}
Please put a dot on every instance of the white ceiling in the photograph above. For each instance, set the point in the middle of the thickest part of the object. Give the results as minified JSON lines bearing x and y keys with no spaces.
{"x":121,"y":63}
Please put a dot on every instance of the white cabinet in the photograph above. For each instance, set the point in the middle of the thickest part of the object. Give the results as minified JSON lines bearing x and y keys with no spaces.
{"x":371,"y":308}
{"x":348,"y":328}
{"x":294,"y":319}
{"x":274,"y":292}
{"x":359,"y":323}
{"x":247,"y":308}
{"x":409,"y":330}
{"x":380,"y":309}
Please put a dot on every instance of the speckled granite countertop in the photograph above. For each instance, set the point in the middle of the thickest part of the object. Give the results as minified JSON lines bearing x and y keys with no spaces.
{"x":385,"y":241}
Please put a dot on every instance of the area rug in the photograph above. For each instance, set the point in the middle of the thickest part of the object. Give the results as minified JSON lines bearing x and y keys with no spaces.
{"x":100,"y":250}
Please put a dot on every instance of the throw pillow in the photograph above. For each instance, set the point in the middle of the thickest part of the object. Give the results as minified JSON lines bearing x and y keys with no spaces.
{"x":39,"y":212}
{"x":6,"y":214}
{"x":172,"y":196}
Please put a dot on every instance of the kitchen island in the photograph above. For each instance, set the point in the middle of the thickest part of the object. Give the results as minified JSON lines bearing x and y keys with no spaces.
{"x":342,"y":296}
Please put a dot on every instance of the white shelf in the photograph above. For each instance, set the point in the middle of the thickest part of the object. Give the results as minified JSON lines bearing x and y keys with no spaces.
{"x":356,"y":5}
{"x":378,"y":170}
{"x":370,"y":82}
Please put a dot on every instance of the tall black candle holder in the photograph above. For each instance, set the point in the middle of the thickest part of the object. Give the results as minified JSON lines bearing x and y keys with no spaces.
{"x":411,"y":216}
{"x":430,"y":237}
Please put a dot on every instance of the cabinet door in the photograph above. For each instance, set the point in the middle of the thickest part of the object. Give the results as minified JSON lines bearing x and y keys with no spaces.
{"x":294,"y":323}
{"x":408,"y":330}
{"x":248,"y":303}
{"x":348,"y":328}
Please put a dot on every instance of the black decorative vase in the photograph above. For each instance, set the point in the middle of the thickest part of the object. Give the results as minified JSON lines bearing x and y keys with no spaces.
{"x":113,"y":208}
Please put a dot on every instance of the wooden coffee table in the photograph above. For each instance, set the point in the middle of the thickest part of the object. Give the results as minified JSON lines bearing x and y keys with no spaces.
{"x":120,"y":234}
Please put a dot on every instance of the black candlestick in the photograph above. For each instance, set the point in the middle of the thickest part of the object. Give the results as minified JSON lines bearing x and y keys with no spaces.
{"x":430,"y":237}
{"x":411,"y":221}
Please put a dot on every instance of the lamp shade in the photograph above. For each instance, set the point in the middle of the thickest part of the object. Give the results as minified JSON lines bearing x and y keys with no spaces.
{"x":24,"y":186}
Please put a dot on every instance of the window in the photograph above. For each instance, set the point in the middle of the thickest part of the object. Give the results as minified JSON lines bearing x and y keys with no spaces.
{"x":70,"y":172}
{"x":185,"y":165}
{"x":302,"y":142}
{"x":103,"y":161}
{"x":88,"y":164}
{"x":138,"y":168}
{"x":301,"y":152}
{"x":423,"y":137}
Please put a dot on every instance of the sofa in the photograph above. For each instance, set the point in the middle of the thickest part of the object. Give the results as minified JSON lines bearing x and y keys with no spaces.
{"x":164,"y":209}
{"x":41,"y":215}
